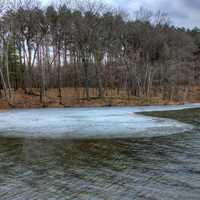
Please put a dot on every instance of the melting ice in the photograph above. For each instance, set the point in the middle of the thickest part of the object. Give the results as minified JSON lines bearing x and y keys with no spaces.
{"x":115,"y":122}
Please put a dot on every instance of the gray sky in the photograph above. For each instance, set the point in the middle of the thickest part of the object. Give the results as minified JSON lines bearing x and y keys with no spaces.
{"x":181,"y":12}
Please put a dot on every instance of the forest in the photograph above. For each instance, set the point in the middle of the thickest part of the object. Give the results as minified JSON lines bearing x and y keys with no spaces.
{"x":93,"y":49}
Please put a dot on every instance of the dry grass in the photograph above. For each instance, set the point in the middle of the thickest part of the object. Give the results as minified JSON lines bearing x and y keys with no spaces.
{"x":76,"y":98}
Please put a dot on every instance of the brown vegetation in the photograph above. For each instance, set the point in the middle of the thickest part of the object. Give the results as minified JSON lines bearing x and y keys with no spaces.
{"x":112,"y":98}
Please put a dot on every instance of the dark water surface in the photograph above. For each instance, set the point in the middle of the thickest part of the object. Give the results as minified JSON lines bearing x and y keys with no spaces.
{"x":166,"y":167}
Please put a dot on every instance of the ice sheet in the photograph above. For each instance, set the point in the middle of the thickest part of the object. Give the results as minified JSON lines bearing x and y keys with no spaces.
{"x":115,"y":122}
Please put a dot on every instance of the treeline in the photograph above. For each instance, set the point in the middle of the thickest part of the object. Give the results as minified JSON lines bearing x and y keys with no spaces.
{"x":89,"y":45}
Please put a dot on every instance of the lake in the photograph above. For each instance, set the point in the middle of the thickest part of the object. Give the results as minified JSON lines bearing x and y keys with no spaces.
{"x":98,"y":153}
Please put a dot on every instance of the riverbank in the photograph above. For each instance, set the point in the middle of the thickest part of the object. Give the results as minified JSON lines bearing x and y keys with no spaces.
{"x":76,"y":98}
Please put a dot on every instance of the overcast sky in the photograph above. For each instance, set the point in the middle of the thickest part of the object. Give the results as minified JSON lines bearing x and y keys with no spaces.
{"x":181,"y":12}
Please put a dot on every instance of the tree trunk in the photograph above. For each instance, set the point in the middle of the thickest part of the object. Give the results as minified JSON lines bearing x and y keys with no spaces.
{"x":99,"y":79}
{"x":59,"y":78}
{"x":85,"y":66}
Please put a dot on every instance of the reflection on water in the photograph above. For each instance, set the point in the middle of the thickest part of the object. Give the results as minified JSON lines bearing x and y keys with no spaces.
{"x":158,"y":168}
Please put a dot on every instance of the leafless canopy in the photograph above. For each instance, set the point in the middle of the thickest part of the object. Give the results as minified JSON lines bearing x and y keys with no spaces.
{"x":87,"y":44}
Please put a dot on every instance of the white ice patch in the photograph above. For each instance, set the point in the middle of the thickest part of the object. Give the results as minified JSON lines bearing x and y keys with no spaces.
{"x":116,"y":122}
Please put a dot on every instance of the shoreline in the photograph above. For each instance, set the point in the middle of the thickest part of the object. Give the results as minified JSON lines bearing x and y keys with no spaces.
{"x":97,"y":106}
{"x":70,"y":99}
